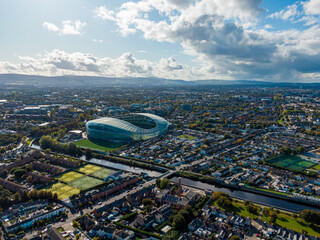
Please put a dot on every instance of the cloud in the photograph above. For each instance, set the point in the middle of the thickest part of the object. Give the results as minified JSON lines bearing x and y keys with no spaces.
{"x":290,"y":13}
{"x":224,"y":37}
{"x":51,"y":27}
{"x":58,"y":62}
{"x":103,"y":13}
{"x":97,"y":40}
{"x":307,"y":12}
{"x":69,"y":27}
{"x":312,"y":7}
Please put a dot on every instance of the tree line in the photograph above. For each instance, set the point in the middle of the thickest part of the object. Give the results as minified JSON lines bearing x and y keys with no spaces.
{"x":47,"y":142}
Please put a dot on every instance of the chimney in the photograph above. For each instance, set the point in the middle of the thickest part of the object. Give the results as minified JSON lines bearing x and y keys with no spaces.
{"x":180,"y":187}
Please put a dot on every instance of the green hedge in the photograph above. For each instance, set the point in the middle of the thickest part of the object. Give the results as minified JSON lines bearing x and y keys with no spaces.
{"x":130,"y":215}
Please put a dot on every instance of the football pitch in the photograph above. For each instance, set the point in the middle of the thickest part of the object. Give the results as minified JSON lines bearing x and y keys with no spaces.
{"x":63,"y":190}
{"x":89,"y":169}
{"x":103,"y":173}
{"x":292,"y":163}
{"x":73,"y":182}
{"x":85,"y":182}
{"x":70,"y":176}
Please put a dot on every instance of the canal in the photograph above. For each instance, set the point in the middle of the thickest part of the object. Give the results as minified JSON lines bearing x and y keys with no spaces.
{"x":253,"y":197}
{"x":125,"y":167}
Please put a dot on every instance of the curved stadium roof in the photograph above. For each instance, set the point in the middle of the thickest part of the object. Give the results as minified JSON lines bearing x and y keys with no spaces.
{"x":137,"y":125}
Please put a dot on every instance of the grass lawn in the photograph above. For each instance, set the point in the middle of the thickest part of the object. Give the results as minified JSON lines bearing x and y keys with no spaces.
{"x":89,"y":169}
{"x":187,"y":137}
{"x":70,"y":176}
{"x":29,"y":141}
{"x":86,"y":182}
{"x":273,"y":191}
{"x":238,"y":208}
{"x":280,"y":121}
{"x":101,"y":146}
{"x":317,"y":167}
{"x":289,"y":222}
{"x":284,"y":219}
{"x":63,"y":190}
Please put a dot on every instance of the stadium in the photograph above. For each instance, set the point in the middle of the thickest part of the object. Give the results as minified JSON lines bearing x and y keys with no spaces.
{"x":127,"y":128}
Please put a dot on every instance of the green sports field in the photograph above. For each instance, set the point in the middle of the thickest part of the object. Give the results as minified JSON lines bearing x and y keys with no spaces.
{"x":292,"y":162}
{"x":63,"y":190}
{"x":89,"y":169}
{"x":97,"y":145}
{"x":317,"y":167}
{"x":103,"y":173}
{"x":86,"y":182}
{"x":70,"y":176}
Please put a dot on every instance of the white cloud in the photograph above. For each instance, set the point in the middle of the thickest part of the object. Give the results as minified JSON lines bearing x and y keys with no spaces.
{"x":97,"y":40}
{"x":223,"y":35}
{"x":69,"y":27}
{"x":58,"y":62}
{"x":290,"y":13}
{"x":103,"y":13}
{"x":312,"y":7}
{"x":50,"y":27}
{"x":306,"y":12}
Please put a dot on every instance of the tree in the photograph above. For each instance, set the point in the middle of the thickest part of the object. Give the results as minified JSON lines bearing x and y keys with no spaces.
{"x":273,"y":217}
{"x":46,"y":142}
{"x":24,"y":196}
{"x":47,"y":151}
{"x":218,"y":194}
{"x":310,"y":216}
{"x":266,"y":212}
{"x":235,"y":237}
{"x":55,"y":196}
{"x":224,"y":202}
{"x":75,"y":224}
{"x":179,"y":222}
{"x":29,"y":179}
{"x":147,"y":201}
{"x":17,"y":197}
{"x":49,"y":195}
{"x":77,"y":236}
{"x":252,"y":209}
{"x":88,"y":153}
{"x":165,"y":183}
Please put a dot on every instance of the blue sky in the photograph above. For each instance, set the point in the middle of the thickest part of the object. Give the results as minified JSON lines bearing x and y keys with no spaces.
{"x":269,"y":40}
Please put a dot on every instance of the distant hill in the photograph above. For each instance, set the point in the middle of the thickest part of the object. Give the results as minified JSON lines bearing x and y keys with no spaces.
{"x":87,"y":81}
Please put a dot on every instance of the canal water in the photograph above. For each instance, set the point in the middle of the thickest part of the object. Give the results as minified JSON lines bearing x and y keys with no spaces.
{"x":125,"y":167}
{"x":253,"y":197}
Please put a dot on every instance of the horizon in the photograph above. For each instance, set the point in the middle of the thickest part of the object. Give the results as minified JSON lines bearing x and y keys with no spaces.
{"x":254,"y":40}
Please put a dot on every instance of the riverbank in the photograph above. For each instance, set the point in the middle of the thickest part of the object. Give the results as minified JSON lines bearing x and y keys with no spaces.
{"x":129,"y":162}
{"x":271,"y":201}
{"x":210,"y":180}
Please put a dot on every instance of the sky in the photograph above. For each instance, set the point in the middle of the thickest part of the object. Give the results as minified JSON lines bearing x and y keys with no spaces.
{"x":264,"y":40}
